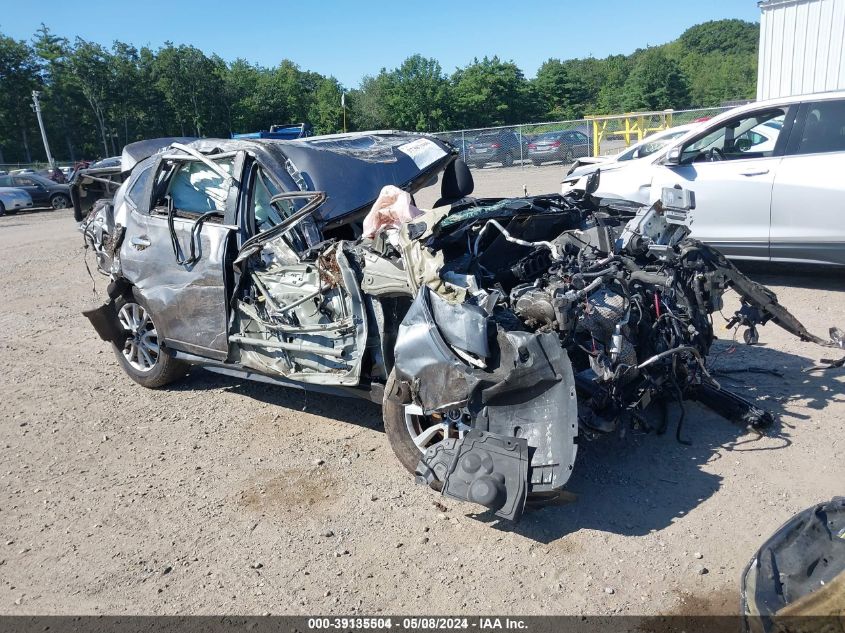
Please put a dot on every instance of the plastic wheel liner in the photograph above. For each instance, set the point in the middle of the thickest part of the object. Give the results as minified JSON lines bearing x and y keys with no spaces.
{"x":515,"y":388}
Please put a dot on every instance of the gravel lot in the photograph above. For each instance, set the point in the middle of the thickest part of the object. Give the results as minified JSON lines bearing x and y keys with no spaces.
{"x":220,"y":496}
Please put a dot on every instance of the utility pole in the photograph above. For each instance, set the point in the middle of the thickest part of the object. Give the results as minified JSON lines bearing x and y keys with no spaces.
{"x":36,"y":105}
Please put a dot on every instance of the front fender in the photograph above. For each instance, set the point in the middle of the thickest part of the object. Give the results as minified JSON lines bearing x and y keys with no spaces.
{"x":525,"y":390}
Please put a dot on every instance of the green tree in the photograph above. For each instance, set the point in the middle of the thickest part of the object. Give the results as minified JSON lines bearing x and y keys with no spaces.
{"x":722,"y":36}
{"x":656,"y":82}
{"x":18,"y":77}
{"x":240,"y":81}
{"x":615,"y":71}
{"x":563,"y":88}
{"x":90,"y":66}
{"x":65,"y":108}
{"x":125,"y":86}
{"x":189,"y":81}
{"x":417,"y":95}
{"x":487,"y":93}
{"x":325,"y":112}
{"x":367,"y":105}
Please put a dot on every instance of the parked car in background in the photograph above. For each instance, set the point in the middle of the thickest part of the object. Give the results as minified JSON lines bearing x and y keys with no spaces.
{"x":461,"y":142}
{"x":43,"y":191}
{"x":766,"y":176}
{"x":497,"y":146}
{"x":13,"y":200}
{"x":648,"y":146}
{"x":566,"y":146}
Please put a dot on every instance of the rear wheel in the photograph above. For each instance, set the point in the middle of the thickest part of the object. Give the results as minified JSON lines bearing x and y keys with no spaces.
{"x":142,"y":356}
{"x":59,"y":201}
{"x":507,"y":160}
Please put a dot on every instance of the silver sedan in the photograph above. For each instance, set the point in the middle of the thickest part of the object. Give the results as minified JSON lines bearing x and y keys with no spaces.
{"x":13,"y":200}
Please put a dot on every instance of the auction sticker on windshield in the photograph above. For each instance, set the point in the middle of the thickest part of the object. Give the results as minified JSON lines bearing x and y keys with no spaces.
{"x":423,"y":151}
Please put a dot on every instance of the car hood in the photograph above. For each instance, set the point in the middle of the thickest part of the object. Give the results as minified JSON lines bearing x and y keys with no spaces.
{"x":586,"y":170}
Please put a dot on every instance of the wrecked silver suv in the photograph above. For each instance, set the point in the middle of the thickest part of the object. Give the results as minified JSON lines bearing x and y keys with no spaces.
{"x":496,"y":333}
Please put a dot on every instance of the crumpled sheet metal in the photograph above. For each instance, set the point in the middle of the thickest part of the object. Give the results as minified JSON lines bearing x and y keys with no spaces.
{"x":527,"y":390}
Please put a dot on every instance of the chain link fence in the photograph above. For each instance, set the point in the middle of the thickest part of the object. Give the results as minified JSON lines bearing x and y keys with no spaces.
{"x":539,"y":143}
{"x":564,"y":141}
{"x":39,"y":167}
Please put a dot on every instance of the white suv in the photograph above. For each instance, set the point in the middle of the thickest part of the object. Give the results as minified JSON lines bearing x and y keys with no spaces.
{"x":768,"y":178}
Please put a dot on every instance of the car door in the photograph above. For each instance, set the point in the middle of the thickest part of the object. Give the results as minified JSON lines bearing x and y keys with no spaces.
{"x":732,"y":182}
{"x":300,"y":312}
{"x":38,"y":192}
{"x":808,"y":193}
{"x":179,"y":244}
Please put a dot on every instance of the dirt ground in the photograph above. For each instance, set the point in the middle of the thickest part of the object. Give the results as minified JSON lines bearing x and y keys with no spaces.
{"x":221,"y":496}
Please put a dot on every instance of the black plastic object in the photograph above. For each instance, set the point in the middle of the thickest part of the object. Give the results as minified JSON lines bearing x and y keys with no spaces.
{"x":457,"y":183}
{"x":803,"y":555}
{"x":485,"y":468}
{"x":593,"y":181}
{"x":105,"y":322}
{"x":731,"y":406}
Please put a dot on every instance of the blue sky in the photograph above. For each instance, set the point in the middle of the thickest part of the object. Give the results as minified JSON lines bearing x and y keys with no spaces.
{"x":351,"y":39}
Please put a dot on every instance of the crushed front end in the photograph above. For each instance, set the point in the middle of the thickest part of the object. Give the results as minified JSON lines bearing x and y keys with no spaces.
{"x":537,"y":320}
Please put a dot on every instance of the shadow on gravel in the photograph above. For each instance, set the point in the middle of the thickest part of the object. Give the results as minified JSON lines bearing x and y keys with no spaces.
{"x":351,"y":410}
{"x":645,"y":482}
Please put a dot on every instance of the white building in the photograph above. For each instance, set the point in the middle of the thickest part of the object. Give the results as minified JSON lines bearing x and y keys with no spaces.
{"x":802,"y":47}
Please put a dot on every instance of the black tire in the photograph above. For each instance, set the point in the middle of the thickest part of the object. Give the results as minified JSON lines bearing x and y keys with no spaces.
{"x":164,"y":370}
{"x":2,"y":209}
{"x":397,"y":433}
{"x":536,"y":162}
{"x":60,"y":201}
{"x":507,"y":160}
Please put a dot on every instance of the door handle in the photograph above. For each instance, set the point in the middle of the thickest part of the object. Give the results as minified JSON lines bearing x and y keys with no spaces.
{"x":754,"y":172}
{"x":140,"y":242}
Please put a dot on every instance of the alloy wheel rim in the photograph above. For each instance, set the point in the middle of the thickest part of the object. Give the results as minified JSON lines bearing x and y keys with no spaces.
{"x":141,"y":349}
{"x":425,"y":431}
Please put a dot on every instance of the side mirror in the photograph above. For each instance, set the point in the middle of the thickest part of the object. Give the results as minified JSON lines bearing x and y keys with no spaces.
{"x":673,"y":157}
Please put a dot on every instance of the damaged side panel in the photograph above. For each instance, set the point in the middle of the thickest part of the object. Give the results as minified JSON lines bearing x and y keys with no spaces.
{"x":514,"y":386}
{"x":190,"y":300}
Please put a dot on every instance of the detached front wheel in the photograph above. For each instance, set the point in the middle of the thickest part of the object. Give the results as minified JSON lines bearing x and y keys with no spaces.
{"x":141,"y":355}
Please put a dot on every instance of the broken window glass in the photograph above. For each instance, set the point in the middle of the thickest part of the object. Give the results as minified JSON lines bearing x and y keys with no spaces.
{"x":197,"y":188}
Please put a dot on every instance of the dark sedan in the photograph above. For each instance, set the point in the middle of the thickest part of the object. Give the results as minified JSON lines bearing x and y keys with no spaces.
{"x":43,"y":191}
{"x":564,"y":146}
{"x":496,"y":146}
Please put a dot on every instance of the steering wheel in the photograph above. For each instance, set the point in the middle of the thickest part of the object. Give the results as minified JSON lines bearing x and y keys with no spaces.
{"x":714,"y":154}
